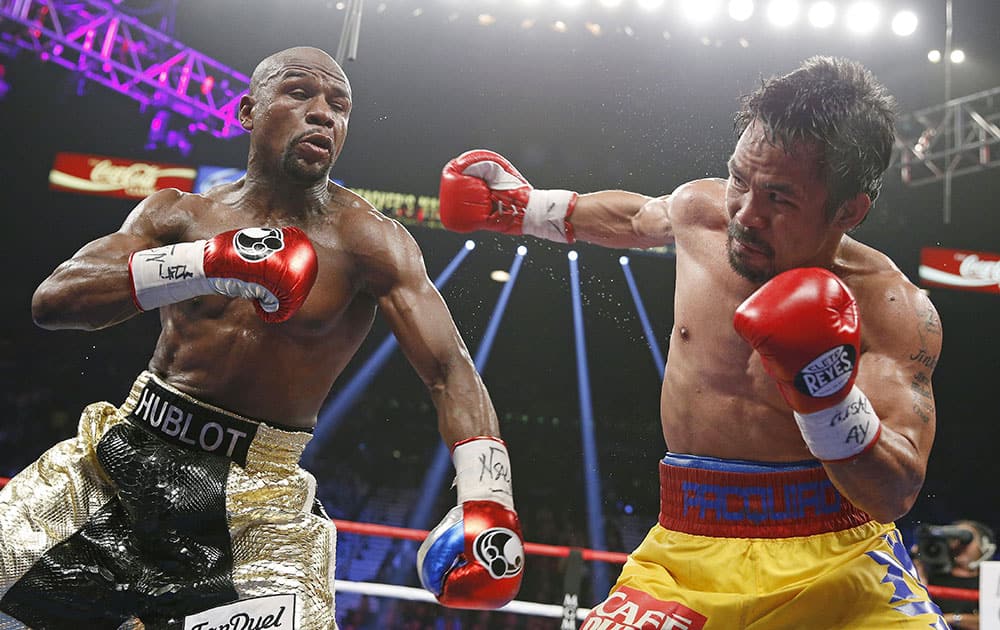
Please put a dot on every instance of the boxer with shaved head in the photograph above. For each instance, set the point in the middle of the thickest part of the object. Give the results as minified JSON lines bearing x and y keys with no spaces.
{"x":185,"y":505}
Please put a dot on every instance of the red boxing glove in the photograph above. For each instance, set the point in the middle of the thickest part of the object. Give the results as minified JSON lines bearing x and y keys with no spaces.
{"x":804,"y":324}
{"x":274,"y":267}
{"x":481,"y":190}
{"x":474,"y":558}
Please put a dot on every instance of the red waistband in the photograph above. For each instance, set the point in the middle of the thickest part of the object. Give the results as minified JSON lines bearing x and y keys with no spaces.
{"x":771,"y":504}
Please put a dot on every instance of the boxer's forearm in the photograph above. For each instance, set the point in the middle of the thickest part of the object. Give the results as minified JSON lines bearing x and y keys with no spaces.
{"x":620,"y":219}
{"x":464,"y":406}
{"x":895,"y":464}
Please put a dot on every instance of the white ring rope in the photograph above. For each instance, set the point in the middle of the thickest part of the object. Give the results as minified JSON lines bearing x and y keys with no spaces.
{"x":420,"y":595}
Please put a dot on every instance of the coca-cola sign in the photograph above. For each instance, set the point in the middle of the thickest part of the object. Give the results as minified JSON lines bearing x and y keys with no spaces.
{"x":960,"y":269}
{"x":117,"y":177}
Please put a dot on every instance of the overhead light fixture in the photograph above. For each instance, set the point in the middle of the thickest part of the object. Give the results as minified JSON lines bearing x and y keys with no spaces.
{"x":862,"y":17}
{"x":783,"y":13}
{"x":740,"y":10}
{"x":822,"y":14}
{"x":904,"y":23}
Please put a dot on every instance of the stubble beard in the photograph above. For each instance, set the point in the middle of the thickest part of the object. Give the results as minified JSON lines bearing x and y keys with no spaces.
{"x":304,"y":172}
{"x":755,"y":275}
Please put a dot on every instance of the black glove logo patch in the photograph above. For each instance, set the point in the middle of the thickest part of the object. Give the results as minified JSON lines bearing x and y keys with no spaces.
{"x":500,"y":551}
{"x":256,"y":244}
{"x":828,"y":373}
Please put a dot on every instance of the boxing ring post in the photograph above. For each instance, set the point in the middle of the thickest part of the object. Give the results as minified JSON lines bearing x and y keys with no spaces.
{"x":647,"y":329}
{"x":334,"y":412}
{"x":591,"y":466}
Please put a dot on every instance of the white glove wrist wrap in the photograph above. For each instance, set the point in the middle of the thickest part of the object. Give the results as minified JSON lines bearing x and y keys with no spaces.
{"x":545,"y":214}
{"x":842,"y":431}
{"x":169,"y":274}
{"x":482,"y":471}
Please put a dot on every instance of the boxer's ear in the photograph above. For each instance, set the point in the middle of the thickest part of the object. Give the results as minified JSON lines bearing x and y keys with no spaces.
{"x":246,"y":111}
{"x":852,"y":212}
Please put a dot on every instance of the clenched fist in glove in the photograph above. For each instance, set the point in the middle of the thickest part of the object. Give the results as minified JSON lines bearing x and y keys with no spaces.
{"x":474,"y":558}
{"x":481,"y":190}
{"x":805,"y":326}
{"x":276,"y":267}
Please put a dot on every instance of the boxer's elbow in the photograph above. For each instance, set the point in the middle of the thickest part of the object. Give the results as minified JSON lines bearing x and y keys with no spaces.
{"x":46,"y":307}
{"x":892,"y":507}
{"x":53,"y":308}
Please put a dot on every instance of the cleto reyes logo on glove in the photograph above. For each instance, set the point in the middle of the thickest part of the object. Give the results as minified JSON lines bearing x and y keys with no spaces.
{"x":500,"y":551}
{"x":828,"y":373}
{"x":256,"y":244}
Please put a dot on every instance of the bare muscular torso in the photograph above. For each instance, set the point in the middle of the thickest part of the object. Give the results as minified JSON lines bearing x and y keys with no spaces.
{"x":219,"y":351}
{"x":717,"y":399}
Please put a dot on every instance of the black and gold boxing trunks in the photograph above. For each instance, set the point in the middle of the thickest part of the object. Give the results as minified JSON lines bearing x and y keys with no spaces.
{"x":167,"y":513}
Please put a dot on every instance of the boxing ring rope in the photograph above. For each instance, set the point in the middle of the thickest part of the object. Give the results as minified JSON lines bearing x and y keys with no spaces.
{"x":558,"y":551}
{"x":536,"y":549}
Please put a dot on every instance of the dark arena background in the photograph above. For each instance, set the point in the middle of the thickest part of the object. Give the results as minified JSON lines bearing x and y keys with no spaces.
{"x":585,"y":95}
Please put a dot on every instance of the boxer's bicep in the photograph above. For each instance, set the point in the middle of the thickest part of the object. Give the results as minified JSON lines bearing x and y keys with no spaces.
{"x":428,"y":336}
{"x":896,"y":370}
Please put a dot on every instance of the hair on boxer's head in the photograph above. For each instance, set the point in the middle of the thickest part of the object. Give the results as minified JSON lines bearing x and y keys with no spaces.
{"x":837,"y":105}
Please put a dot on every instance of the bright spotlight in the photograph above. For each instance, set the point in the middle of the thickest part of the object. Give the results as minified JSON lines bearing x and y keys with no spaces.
{"x":499,"y":275}
{"x":522,"y":250}
{"x":934,"y":56}
{"x":740,"y":10}
{"x":822,"y":14}
{"x":862,"y":17}
{"x":572,"y":255}
{"x":469,"y":245}
{"x":623,"y":261}
{"x":904,"y":23}
{"x":783,"y":13}
{"x":649,"y":5}
{"x":957,"y":55}
{"x":699,"y":11}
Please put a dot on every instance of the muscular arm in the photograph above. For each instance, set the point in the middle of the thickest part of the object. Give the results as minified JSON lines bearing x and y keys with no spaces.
{"x":904,"y":334}
{"x":92,"y":290}
{"x":427,"y":334}
{"x":619,"y":219}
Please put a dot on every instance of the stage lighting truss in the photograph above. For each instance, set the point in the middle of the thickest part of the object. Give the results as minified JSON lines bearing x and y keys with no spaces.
{"x":114,"y":49}
{"x":957,"y":137}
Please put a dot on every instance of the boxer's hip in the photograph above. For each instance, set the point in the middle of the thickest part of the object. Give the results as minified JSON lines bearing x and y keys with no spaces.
{"x":151,"y":511}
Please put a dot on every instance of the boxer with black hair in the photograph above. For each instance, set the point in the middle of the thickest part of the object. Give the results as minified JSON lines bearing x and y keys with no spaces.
{"x":796,"y":402}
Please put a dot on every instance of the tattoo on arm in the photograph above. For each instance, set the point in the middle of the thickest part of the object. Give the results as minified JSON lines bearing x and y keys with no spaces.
{"x":920,"y":387}
{"x":923,"y":399}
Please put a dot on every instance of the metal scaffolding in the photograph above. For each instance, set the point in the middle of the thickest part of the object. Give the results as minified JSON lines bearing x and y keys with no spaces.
{"x":955,"y":137}
{"x":115,"y":49}
{"x":948,"y":140}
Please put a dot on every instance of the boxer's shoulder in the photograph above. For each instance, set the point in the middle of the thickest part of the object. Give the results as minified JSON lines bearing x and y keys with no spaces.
{"x":699,"y":203}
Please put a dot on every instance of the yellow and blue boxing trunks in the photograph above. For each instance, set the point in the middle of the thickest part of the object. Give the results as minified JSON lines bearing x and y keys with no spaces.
{"x":750,"y":546}
{"x":166,"y":513}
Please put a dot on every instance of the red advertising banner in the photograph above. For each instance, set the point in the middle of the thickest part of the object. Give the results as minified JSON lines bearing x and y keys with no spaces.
{"x":117,"y":177}
{"x":960,"y":269}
